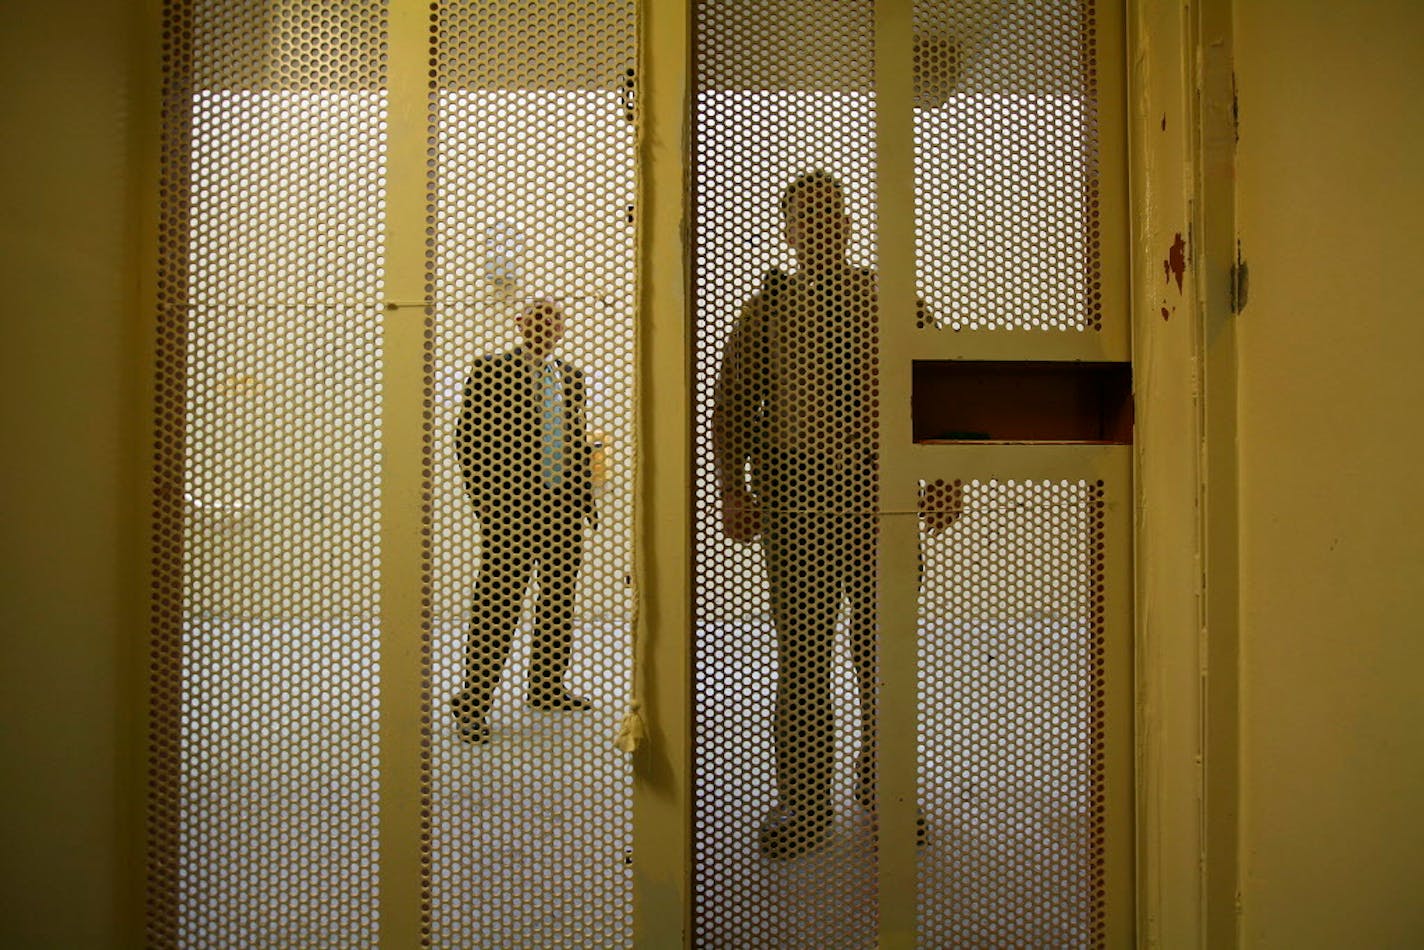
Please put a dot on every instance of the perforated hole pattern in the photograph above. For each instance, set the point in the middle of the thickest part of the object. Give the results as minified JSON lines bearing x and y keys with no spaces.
{"x":1011,"y":745}
{"x":1006,"y":165}
{"x":530,"y":376}
{"x":265,"y":664}
{"x":265,"y":671}
{"x":785,"y":679}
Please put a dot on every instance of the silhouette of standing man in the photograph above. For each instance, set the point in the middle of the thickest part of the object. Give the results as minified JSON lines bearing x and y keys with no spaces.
{"x":527,"y":468}
{"x":796,"y":412}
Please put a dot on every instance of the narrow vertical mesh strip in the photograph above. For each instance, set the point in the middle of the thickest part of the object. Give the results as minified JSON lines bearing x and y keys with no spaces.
{"x":786,"y":334}
{"x":1011,"y":681}
{"x":165,"y":665}
{"x":1006,"y":165}
{"x":530,"y":388}
{"x":265,"y":705}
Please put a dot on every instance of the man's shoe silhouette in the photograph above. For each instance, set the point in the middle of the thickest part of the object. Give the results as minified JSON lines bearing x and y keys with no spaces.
{"x":473,"y":731}
{"x":557,"y":700}
{"x":472,"y":728}
{"x":786,"y":834}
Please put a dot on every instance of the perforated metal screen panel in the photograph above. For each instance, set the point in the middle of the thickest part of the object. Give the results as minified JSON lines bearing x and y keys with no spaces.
{"x":1007,"y":222}
{"x":263,"y":804}
{"x":793,"y":474}
{"x":1011,"y":742}
{"x":530,"y":473}
{"x":275,"y":486}
{"x":785,"y":678}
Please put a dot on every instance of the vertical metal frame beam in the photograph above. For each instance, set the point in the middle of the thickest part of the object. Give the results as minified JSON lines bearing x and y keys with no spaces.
{"x":662,"y":767}
{"x":135,"y":712}
{"x":1168,"y":569}
{"x":168,"y":314}
{"x":897,"y":618}
{"x":1122,"y":565}
{"x":1219,"y":295}
{"x":1181,"y":147}
{"x":403,"y":528}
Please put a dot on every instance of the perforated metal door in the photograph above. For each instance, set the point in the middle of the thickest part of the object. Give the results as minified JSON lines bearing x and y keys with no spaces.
{"x":530,"y":473}
{"x":875,"y":184}
{"x":263,"y":801}
{"x":1023,"y":659}
{"x":909,"y":673}
{"x":1012,"y":739}
{"x":273,"y":777}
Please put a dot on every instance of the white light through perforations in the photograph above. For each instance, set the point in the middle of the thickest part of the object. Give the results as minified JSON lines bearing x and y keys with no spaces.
{"x":531,"y":205}
{"x":1006,"y":165}
{"x":1011,"y":641}
{"x":264,"y":822}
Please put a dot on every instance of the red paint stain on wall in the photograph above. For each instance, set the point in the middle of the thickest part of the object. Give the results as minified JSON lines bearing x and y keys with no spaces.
{"x":1176,"y":263}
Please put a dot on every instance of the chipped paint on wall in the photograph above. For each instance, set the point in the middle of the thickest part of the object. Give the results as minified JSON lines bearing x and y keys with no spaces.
{"x":1176,"y":263}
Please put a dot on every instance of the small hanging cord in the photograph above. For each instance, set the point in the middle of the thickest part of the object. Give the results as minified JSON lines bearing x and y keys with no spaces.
{"x":633,"y":731}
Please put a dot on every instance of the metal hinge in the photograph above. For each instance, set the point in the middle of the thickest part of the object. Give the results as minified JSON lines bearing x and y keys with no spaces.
{"x":1240,"y":281}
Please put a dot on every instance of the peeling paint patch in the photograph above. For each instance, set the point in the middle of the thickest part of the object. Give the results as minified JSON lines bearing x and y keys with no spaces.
{"x":1176,"y":263}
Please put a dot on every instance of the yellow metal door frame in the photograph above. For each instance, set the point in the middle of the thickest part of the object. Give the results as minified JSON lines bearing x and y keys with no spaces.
{"x":662,"y":769}
{"x":1181,"y":152}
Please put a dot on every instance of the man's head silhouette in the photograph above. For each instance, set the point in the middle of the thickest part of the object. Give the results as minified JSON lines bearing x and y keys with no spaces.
{"x":817,"y":227}
{"x":541,"y":323}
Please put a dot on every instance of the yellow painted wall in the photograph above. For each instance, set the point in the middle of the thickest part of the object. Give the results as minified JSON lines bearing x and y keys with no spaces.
{"x":70,"y":352}
{"x":1331,"y":206}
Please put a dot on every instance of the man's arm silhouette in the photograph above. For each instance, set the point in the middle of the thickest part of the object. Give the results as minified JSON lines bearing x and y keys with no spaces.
{"x":474,"y":439}
{"x":734,"y":402}
{"x":581,"y":465}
